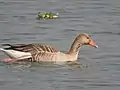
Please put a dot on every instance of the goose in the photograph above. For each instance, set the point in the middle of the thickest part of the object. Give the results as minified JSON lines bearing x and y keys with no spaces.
{"x":39,"y":52}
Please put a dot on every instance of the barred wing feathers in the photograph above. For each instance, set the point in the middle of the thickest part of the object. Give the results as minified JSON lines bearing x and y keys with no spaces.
{"x":32,"y":48}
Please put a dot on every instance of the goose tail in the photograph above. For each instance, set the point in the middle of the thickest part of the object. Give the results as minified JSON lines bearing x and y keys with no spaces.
{"x":2,"y":49}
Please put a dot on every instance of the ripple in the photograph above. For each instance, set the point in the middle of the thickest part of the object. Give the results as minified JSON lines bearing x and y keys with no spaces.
{"x":114,"y":13}
{"x":105,"y":84}
{"x":44,"y":33}
{"x":16,"y":2}
{"x":107,"y":33}
{"x":53,"y":39}
{"x":20,"y":17}
{"x":77,"y":80}
{"x":9,"y":39}
{"x":69,"y":30}
{"x":107,"y":56}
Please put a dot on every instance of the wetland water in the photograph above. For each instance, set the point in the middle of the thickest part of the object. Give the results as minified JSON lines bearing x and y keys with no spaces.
{"x":100,"y":18}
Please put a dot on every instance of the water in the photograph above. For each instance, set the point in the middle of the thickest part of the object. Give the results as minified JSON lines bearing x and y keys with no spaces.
{"x":100,"y":18}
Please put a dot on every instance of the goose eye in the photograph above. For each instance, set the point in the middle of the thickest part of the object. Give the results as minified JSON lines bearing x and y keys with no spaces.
{"x":88,"y":38}
{"x":79,"y":44}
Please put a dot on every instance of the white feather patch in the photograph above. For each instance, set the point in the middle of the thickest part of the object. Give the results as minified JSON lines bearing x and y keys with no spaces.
{"x":16,"y":54}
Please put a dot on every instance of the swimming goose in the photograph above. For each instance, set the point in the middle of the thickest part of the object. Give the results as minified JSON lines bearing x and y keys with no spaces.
{"x":46,"y":53}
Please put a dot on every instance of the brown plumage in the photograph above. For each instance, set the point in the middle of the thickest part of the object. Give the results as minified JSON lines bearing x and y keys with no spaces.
{"x":35,"y":47}
{"x":42,"y":52}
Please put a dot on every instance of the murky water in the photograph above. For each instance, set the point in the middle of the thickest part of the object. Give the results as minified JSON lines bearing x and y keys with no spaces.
{"x":100,"y":18}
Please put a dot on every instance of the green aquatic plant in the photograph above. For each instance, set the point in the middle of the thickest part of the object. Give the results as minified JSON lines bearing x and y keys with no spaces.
{"x":48,"y":15}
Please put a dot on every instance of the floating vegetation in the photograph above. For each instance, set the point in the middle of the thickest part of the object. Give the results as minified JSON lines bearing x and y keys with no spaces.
{"x":48,"y":15}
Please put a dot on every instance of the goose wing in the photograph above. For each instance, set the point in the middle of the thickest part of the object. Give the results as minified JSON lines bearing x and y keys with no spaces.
{"x":32,"y":48}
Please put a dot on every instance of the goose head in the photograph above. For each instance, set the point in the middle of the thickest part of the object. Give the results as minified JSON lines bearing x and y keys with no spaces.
{"x":80,"y":40}
{"x":85,"y":39}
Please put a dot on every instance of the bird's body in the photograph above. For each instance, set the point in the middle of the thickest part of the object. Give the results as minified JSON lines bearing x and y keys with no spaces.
{"x":46,"y":53}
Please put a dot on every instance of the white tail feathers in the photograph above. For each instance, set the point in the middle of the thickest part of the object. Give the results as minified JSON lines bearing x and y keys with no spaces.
{"x":16,"y":54}
{"x":2,"y":49}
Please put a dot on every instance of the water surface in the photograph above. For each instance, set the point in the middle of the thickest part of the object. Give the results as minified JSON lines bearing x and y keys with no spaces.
{"x":100,"y":18}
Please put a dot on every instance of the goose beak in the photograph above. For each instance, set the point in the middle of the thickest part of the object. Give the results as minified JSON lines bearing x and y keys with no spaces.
{"x":92,"y":43}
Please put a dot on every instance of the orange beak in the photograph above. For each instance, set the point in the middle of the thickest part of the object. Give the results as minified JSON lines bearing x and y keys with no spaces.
{"x":92,"y":43}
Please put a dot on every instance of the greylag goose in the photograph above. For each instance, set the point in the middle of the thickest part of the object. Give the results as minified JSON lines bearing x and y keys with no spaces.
{"x":46,"y":53}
